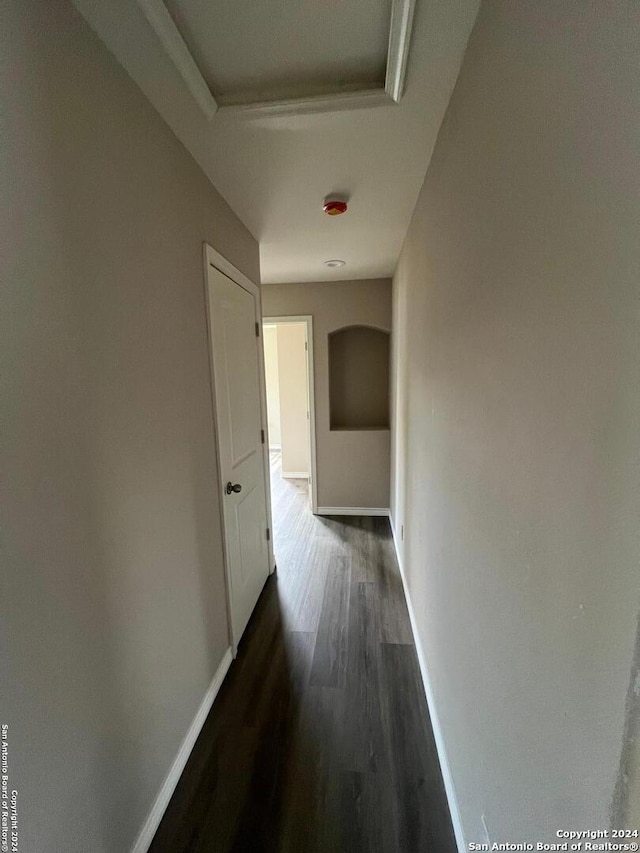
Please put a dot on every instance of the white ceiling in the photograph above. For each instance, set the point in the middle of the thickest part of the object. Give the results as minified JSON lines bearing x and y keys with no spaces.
{"x":275,"y":171}
{"x":277,"y":49}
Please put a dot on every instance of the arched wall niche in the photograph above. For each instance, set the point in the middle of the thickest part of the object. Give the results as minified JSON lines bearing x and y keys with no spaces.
{"x":359,"y":378}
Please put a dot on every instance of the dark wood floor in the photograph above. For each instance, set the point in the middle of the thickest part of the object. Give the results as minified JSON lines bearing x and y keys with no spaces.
{"x":319,"y":740}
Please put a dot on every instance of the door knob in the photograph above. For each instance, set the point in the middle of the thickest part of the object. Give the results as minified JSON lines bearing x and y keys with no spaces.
{"x":233,"y":487}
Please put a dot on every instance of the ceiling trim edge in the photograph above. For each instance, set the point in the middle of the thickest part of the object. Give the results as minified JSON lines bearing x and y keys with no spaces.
{"x":306,"y":106}
{"x":402,"y":13}
{"x":176,"y":48}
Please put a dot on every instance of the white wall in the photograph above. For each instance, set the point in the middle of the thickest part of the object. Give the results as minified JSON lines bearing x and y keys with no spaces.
{"x":113,"y":604}
{"x":272,"y":383}
{"x":516,"y":443}
{"x":292,"y":378}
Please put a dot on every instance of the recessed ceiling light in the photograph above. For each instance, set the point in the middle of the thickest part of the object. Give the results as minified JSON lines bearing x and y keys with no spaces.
{"x":335,"y":263}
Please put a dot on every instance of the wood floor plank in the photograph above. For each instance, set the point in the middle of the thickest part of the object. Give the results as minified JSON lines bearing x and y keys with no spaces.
{"x":422,"y":811}
{"x":330,"y":655}
{"x":362,"y":704}
{"x":393,"y":615}
{"x":316,"y":762}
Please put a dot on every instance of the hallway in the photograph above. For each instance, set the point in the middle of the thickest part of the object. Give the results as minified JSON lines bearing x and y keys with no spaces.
{"x":319,"y":739}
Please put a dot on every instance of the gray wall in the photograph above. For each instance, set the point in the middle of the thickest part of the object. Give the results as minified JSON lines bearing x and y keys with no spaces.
{"x":516,"y":445}
{"x":359,"y":378}
{"x":353,"y":466}
{"x":113,"y":607}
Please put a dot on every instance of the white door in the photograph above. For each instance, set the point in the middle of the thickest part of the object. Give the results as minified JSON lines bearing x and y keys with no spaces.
{"x":236,"y":368}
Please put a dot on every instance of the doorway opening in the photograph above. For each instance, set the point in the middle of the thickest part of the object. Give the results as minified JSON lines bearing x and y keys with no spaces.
{"x":288,"y":359}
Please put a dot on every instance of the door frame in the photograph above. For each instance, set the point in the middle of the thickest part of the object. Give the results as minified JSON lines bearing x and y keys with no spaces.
{"x":212,"y":258}
{"x":307,"y":319}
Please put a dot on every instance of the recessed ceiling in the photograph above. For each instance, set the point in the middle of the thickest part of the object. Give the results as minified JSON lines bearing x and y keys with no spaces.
{"x":279,"y":49}
{"x":275,"y":169}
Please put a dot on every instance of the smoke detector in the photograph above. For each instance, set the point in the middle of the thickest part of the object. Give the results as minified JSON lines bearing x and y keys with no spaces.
{"x":335,"y":263}
{"x":334,"y":206}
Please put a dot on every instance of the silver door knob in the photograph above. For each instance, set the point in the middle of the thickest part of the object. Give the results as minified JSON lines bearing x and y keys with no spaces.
{"x":233,"y":487}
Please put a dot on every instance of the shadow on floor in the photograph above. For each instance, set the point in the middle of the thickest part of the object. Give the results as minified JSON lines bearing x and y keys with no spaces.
{"x":320,"y":739}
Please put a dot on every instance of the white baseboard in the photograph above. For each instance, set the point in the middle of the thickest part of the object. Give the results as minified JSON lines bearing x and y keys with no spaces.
{"x":295,"y":475}
{"x":158,"y":809}
{"x":445,"y":767}
{"x":275,"y":447}
{"x":352,"y":510}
